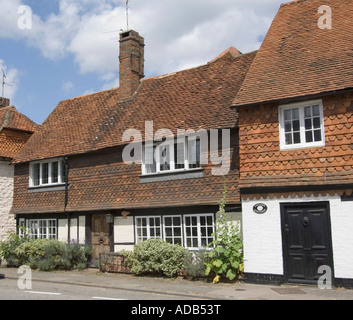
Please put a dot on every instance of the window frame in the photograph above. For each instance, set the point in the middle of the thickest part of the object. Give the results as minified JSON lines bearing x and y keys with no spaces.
{"x":303,"y":144}
{"x":199,"y":234}
{"x":148,"y":227}
{"x":182,"y":226}
{"x":61,"y":179}
{"x":173,"y":158}
{"x":39,"y":234}
{"x":172,"y":227}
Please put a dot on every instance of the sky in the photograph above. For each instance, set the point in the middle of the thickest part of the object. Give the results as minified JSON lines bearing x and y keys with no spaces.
{"x":59,"y":49}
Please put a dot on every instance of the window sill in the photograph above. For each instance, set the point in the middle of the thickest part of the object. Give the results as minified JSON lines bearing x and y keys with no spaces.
{"x":55,"y":187}
{"x":174,"y":175}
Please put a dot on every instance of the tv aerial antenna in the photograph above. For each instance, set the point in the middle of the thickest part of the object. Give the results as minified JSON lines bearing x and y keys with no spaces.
{"x":127,"y":14}
{"x":3,"y":84}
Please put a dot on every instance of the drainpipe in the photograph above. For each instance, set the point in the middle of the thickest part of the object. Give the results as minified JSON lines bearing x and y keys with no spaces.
{"x":67,"y":198}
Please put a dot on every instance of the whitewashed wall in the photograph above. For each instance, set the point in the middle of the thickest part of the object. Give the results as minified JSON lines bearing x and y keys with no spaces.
{"x":7,"y":221}
{"x":263,"y":237}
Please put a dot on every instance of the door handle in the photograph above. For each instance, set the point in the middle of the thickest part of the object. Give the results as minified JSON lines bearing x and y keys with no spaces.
{"x":306,"y":221}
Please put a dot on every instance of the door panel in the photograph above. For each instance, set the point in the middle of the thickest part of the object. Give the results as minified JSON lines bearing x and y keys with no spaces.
{"x":307,"y":244}
{"x":100,"y":235}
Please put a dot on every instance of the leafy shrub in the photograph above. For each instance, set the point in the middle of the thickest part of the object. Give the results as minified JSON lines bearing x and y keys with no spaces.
{"x":157,"y":257}
{"x":226,"y":260}
{"x":44,"y":254}
{"x":7,"y":249}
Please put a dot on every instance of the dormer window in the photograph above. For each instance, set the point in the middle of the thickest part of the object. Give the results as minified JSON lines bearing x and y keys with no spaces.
{"x":47,"y":173}
{"x":302,"y":125}
{"x":175,"y":156}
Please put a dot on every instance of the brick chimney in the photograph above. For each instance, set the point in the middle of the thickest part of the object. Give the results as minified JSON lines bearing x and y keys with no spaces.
{"x":132,"y":47}
{"x":4,"y":102}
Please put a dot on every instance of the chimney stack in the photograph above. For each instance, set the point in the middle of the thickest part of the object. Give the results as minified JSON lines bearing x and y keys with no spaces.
{"x":132,"y":47}
{"x":4,"y":102}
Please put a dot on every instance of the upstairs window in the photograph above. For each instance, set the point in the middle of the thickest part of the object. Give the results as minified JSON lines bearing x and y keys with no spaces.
{"x":172,"y":157}
{"x":47,"y":173}
{"x":302,"y":125}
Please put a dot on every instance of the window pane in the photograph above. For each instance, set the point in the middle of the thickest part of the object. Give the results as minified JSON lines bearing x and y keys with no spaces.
{"x":63,"y":172}
{"x":55,"y":172}
{"x":317,"y":135}
{"x":308,"y":124}
{"x":36,"y":174}
{"x":295,"y":113}
{"x":316,"y":111}
{"x":289,"y":139}
{"x":149,"y":160}
{"x":287,"y":115}
{"x":179,"y":155}
{"x":288,"y":126}
{"x":296,"y":137}
{"x":45,"y":173}
{"x":309,"y":136}
{"x":317,"y":123}
{"x":164,"y":157}
{"x":194,"y":153}
{"x":307,"y":112}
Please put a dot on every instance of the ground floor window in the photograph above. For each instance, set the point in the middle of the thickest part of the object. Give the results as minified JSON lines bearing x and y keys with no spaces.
{"x":193,"y":231}
{"x":39,"y":228}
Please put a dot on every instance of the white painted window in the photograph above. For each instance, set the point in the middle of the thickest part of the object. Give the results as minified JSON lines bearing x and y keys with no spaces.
{"x":192,"y":231}
{"x":42,"y":228}
{"x":148,"y":228}
{"x":198,"y":230}
{"x":301,"y":125}
{"x":175,"y":156}
{"x":173,"y":230}
{"x":47,"y":173}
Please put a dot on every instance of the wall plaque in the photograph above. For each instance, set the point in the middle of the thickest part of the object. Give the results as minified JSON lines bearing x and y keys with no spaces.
{"x":260,"y":208}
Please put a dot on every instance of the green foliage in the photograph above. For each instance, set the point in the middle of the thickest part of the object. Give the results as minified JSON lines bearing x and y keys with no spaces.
{"x":157,"y":257}
{"x":226,"y":259}
{"x":44,"y":254}
{"x":7,"y":248}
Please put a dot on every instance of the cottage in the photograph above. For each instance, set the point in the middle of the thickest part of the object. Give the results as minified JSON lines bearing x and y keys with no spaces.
{"x":71,"y":182}
{"x":296,"y":148}
{"x":15,"y":130}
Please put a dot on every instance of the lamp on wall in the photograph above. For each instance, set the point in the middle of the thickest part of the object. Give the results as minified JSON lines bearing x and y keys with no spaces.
{"x":110,"y":218}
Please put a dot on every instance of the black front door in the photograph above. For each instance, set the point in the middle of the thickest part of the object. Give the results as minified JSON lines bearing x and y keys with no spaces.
{"x":307,"y":244}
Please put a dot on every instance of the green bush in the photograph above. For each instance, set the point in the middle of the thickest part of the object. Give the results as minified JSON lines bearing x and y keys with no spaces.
{"x":44,"y":254}
{"x":195,"y":264}
{"x":7,"y":249}
{"x":157,"y":257}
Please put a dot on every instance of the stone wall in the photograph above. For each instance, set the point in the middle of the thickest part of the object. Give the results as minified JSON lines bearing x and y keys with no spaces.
{"x":7,"y":221}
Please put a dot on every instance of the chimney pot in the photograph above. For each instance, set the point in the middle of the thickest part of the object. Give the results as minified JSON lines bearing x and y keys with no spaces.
{"x":4,"y":102}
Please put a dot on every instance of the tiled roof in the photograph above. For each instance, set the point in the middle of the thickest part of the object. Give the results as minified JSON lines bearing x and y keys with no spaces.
{"x":15,"y":130}
{"x":297,"y":58}
{"x":10,"y":118}
{"x":190,"y":99}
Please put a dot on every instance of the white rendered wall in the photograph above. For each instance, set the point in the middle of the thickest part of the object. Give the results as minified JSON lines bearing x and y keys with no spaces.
{"x":263,"y":238}
{"x":124,"y":233}
{"x":7,"y":221}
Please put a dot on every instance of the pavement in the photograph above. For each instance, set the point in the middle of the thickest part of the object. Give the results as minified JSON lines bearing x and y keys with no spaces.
{"x":180,"y":287}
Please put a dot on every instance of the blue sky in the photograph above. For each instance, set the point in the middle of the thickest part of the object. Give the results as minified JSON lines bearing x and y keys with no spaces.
{"x":72,"y":47}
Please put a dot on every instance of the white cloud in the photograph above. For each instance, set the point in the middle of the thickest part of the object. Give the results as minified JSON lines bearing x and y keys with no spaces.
{"x":178,"y":33}
{"x":67,"y":86}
